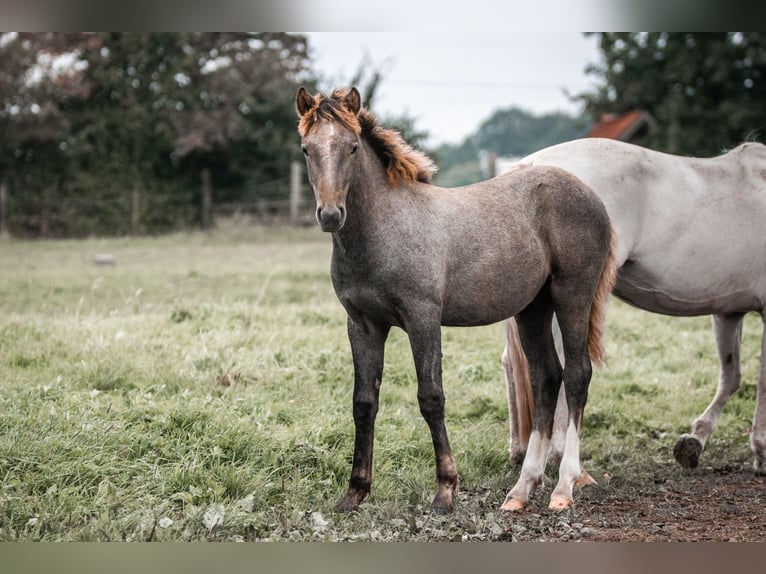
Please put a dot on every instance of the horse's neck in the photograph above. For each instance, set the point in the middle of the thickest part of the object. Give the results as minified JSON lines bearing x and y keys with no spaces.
{"x":369,"y":195}
{"x":368,"y":205}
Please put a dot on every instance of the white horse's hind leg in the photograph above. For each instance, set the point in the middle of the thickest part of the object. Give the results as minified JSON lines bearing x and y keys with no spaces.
{"x":559,"y":435}
{"x":758,"y":434}
{"x":560,"y":420}
{"x":728,"y":337}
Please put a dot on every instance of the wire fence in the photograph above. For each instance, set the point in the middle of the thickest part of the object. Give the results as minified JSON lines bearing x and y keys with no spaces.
{"x":134,"y":212}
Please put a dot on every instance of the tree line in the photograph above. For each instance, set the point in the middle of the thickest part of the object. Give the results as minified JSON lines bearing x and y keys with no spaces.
{"x":117,"y":133}
{"x":705,"y":91}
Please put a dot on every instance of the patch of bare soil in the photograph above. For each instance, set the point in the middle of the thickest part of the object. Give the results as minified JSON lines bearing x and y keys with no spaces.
{"x":724,"y":504}
{"x":707,"y":504}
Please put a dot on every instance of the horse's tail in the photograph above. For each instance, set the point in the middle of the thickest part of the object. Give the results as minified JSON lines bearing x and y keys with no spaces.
{"x":520,"y":385}
{"x":598,"y":308}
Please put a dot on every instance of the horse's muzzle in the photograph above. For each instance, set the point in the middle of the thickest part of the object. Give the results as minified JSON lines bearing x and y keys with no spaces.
{"x":331,"y":218}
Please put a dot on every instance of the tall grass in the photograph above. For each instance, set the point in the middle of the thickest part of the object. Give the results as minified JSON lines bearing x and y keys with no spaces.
{"x":200,"y":389}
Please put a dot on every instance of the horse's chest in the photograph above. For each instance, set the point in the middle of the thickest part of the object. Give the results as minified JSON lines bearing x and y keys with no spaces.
{"x":378,"y":293}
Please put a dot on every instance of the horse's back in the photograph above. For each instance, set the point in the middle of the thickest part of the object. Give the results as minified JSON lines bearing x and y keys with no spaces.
{"x":689,"y":229}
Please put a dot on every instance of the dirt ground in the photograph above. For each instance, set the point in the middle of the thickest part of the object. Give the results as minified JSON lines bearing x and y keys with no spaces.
{"x":707,"y":504}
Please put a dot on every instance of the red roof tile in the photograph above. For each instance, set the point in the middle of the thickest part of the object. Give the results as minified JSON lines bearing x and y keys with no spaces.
{"x":618,"y":126}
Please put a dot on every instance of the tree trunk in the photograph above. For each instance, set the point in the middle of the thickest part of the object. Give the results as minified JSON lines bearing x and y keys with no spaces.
{"x":295,"y":190}
{"x":3,"y":207}
{"x":135,"y":212}
{"x":207,"y":198}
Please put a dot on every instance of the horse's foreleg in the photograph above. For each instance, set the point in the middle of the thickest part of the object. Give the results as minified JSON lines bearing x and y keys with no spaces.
{"x":728,"y":337}
{"x":367,"y":348}
{"x":758,"y":433}
{"x":425,"y":341}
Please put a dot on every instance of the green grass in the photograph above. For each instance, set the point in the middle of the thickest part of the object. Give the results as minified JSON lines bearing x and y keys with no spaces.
{"x":200,"y":389}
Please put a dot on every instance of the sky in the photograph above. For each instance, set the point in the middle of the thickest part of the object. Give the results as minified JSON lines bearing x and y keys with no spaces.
{"x":451,"y":82}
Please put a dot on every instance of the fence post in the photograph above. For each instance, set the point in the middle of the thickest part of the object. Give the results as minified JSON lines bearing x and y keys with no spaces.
{"x":3,"y":207}
{"x":492,"y":165}
{"x":207,"y":197}
{"x":135,"y":213}
{"x":295,"y":190}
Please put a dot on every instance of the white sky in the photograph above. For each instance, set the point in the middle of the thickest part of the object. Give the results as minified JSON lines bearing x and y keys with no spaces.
{"x":451,"y":82}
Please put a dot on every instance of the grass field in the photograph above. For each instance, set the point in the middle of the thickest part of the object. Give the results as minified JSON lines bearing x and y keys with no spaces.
{"x":200,"y":389}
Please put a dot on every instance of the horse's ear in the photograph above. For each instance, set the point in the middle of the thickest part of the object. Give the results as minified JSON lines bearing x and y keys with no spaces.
{"x":353,"y":101}
{"x":303,"y":101}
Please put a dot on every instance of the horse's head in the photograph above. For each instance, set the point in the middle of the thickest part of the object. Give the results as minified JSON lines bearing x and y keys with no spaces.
{"x":329,"y":139}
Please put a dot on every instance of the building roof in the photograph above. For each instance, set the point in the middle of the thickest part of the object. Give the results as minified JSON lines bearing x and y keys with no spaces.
{"x":621,"y":126}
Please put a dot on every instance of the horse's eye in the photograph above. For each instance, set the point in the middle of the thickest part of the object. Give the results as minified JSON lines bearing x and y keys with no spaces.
{"x":305,"y":151}
{"x":353,"y":149}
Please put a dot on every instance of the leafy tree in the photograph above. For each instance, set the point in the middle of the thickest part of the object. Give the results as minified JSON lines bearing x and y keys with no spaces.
{"x":118,"y":139}
{"x":121,"y":133}
{"x":235,"y":121}
{"x":33,"y":150}
{"x":516,"y":132}
{"x":706,"y":91}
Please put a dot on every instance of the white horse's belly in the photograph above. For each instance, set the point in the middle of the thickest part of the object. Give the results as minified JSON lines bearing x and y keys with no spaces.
{"x":673,"y":292}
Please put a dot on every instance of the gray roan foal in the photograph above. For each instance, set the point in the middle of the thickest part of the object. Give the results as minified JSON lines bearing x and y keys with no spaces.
{"x":692,"y":242}
{"x":412,"y":255}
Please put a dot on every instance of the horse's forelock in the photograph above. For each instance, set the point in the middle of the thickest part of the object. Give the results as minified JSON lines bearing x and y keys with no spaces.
{"x":331,"y":109}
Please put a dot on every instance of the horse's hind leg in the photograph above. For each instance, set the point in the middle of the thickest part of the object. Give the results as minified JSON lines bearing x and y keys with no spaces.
{"x":728,"y":337}
{"x":520,"y":402}
{"x":573,"y":318}
{"x":534,"y":325}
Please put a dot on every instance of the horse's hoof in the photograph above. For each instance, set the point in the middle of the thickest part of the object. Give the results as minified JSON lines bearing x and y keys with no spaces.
{"x":759,"y":467}
{"x":687,"y":451}
{"x":513,"y":505}
{"x":441,"y":510}
{"x":350,"y":502}
{"x":585,"y":479}
{"x":345,"y":506}
{"x":560,"y":502}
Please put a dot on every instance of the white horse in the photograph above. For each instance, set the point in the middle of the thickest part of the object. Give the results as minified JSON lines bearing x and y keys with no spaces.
{"x":691,"y":238}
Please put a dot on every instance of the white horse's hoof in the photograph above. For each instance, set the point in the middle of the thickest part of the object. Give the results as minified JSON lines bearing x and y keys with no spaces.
{"x":560,"y":502}
{"x":687,"y":451}
{"x":513,"y":505}
{"x":585,"y":479}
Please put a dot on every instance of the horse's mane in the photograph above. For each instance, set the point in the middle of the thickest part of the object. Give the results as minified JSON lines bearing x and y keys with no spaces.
{"x":402,"y":162}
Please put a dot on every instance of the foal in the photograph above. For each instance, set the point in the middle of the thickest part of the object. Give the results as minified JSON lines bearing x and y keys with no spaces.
{"x":412,"y":255}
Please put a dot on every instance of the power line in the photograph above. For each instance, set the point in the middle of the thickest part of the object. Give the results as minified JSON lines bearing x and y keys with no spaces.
{"x":483,"y":85}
